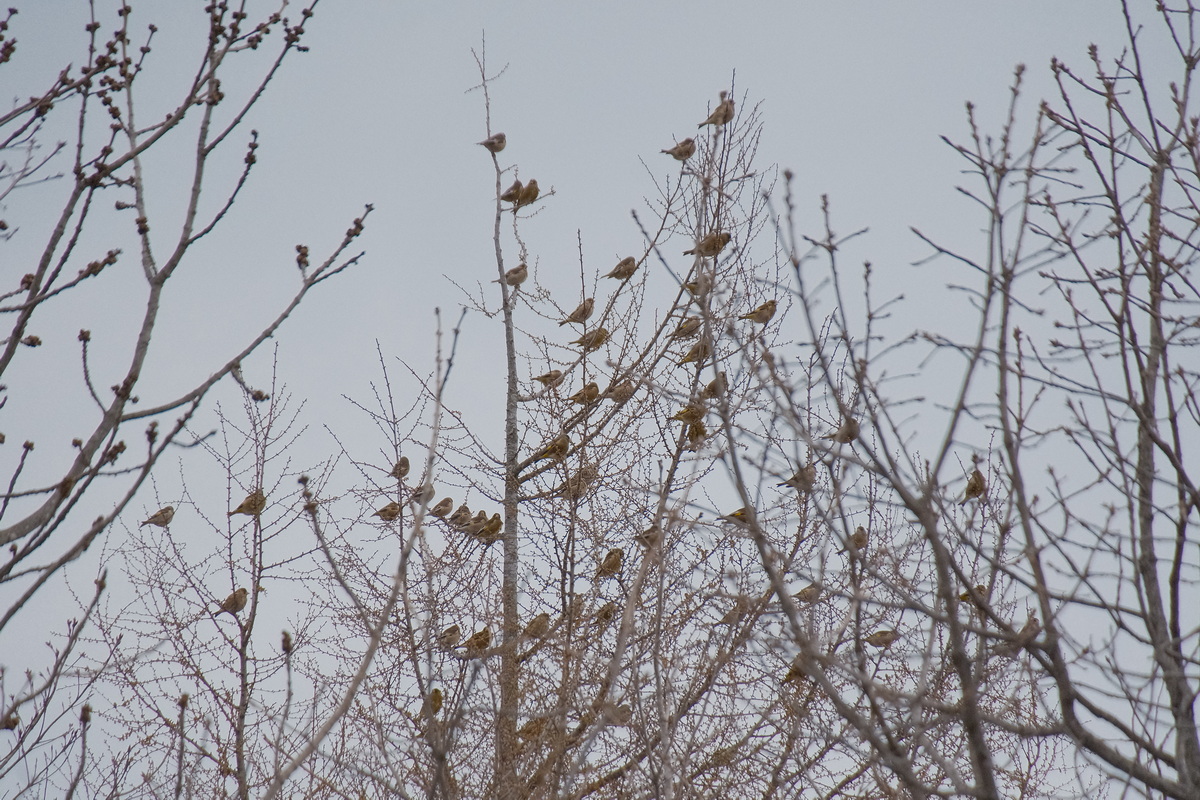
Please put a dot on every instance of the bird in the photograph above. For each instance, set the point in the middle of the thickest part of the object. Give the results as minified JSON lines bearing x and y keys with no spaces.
{"x":422,"y":494}
{"x":551,"y":378}
{"x":606,"y":614}
{"x":576,"y":485}
{"x":847,"y":432}
{"x":528,"y":194}
{"x":435,"y":697}
{"x":975,"y":487}
{"x":556,"y":449}
{"x":449,"y":637}
{"x":388,"y":513}
{"x":858,"y":541}
{"x":400,"y":470}
{"x":537,"y":627}
{"x":253,"y":505}
{"x":234,"y":603}
{"x":715,"y":388}
{"x":491,"y":531}
{"x":722,"y":114}
{"x":480,"y":640}
{"x":534,"y":728}
{"x":692,"y":412}
{"x":620,"y":392}
{"x":461,"y":516}
{"x":882,"y":639}
{"x":587,"y":395}
{"x":682,"y":151}
{"x":581,"y":312}
{"x":710,"y":245}
{"x":688,"y":328}
{"x":980,"y":591}
{"x":804,"y":479}
{"x":515,"y":276}
{"x":494,"y":143}
{"x":649,"y":537}
{"x":698,"y":353}
{"x":809,"y":594}
{"x":444,"y":506}
{"x":795,"y":670}
{"x":696,"y":434}
{"x":592,"y":340}
{"x":162,"y":518}
{"x":477,"y":524}
{"x":761,"y":315}
{"x":700,"y":286}
{"x":1022,"y":638}
{"x":741,"y":516}
{"x":611,"y":565}
{"x":513,"y":193}
{"x":624,"y":269}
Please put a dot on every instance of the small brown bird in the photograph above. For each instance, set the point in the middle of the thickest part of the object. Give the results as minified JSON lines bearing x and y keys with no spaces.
{"x":715,"y":388}
{"x":611,"y":565}
{"x":696,"y":434}
{"x":692,"y":412}
{"x":975,"y":487}
{"x":477,"y":524}
{"x":1022,"y":639}
{"x":700,"y":286}
{"x":461,"y":516}
{"x":606,"y":614}
{"x":492,"y":529}
{"x":422,"y":494}
{"x":592,"y":340}
{"x":858,"y":540}
{"x":495,"y":143}
{"x":624,"y":269}
{"x":698,"y":354}
{"x":253,"y":505}
{"x":577,"y":485}
{"x":162,"y":518}
{"x":444,"y":507}
{"x":551,"y":378}
{"x":528,"y":194}
{"x":882,"y":639}
{"x":809,"y":594}
{"x":556,"y":449}
{"x":710,"y":245}
{"x":649,"y":537}
{"x":621,"y":392}
{"x":534,"y":728}
{"x":435,"y":702}
{"x":741,"y":516}
{"x":400,"y":470}
{"x":537,"y":627}
{"x":515,"y":276}
{"x":722,"y":114}
{"x":480,"y":640}
{"x":804,"y":479}
{"x":761,"y":315}
{"x":449,"y":637}
{"x":795,"y":670}
{"x":581,"y":312}
{"x":688,"y":328}
{"x":980,"y":592}
{"x":682,"y":151}
{"x":513,"y":193}
{"x":388,"y":513}
{"x":234,"y":603}
{"x":847,"y":432}
{"x":587,"y":395}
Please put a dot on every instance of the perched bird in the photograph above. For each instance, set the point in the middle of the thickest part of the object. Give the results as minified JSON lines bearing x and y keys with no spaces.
{"x":692,"y":412}
{"x":741,"y":516}
{"x":400,"y":470}
{"x":847,"y":432}
{"x":234,"y":603}
{"x":477,"y":524}
{"x":606,"y":614}
{"x":551,"y":378}
{"x":883,"y":639}
{"x":461,"y":516}
{"x":980,"y":591}
{"x":515,"y":276}
{"x":422,"y":494}
{"x":682,"y":151}
{"x":804,"y":479}
{"x":710,"y":245}
{"x":444,"y":506}
{"x":696,"y":434}
{"x":577,"y":484}
{"x":1023,"y":638}
{"x":480,"y":640}
{"x":611,"y":565}
{"x":688,"y":328}
{"x":537,"y":627}
{"x":698,"y":354}
{"x":495,"y":143}
{"x":435,"y":697}
{"x":253,"y":505}
{"x":795,"y":670}
{"x":556,"y":449}
{"x":975,"y":487}
{"x":618,"y":714}
{"x":534,"y":728}
{"x":809,"y":594}
{"x":700,"y":286}
{"x":587,"y":395}
{"x":581,"y":312}
{"x":761,"y":315}
{"x":858,"y":540}
{"x":722,"y":114}
{"x":388,"y":513}
{"x":449,"y":637}
{"x":513,"y":193}
{"x":620,"y":392}
{"x":715,"y":388}
{"x":741,"y":606}
{"x":649,"y":537}
{"x":592,"y":340}
{"x":624,"y":269}
{"x":162,"y":518}
{"x":492,"y":529}
{"x":528,"y":194}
